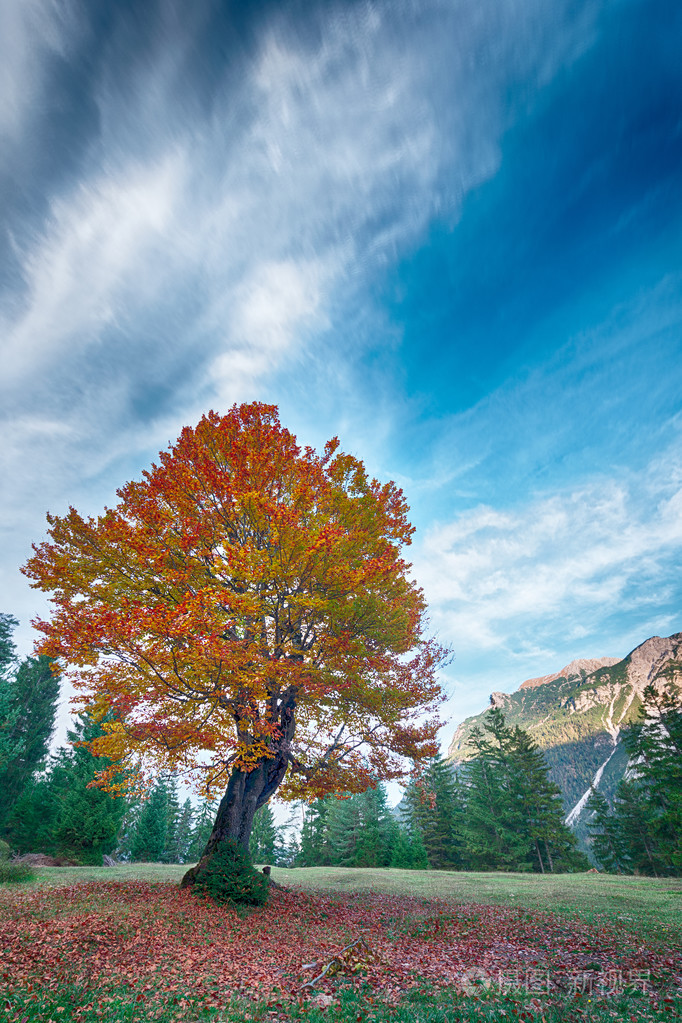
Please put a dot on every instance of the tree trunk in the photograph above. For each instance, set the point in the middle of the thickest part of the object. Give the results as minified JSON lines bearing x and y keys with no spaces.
{"x":537,"y":849}
{"x":549,"y":856}
{"x":246,"y":792}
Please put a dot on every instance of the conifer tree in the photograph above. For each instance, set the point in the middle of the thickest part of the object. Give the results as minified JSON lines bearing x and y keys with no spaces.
{"x":57,"y":812}
{"x":149,"y":841}
{"x":170,"y":848}
{"x":408,"y":852}
{"x":28,"y":727}
{"x":203,"y":825}
{"x":360,"y":829}
{"x":606,"y":840}
{"x":553,"y":845}
{"x":263,"y":840}
{"x":7,"y":664}
{"x":514,"y":813}
{"x":88,"y":820}
{"x":654,"y":746}
{"x":31,"y":822}
{"x":28,"y":702}
{"x":642,"y":832}
{"x":493,"y":824}
{"x":342,"y":828}
{"x":183,"y":833}
{"x":288,"y":849}
{"x":314,"y":844}
{"x":436,"y":809}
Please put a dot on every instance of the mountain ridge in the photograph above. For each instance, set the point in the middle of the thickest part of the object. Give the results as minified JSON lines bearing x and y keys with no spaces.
{"x":576,"y":716}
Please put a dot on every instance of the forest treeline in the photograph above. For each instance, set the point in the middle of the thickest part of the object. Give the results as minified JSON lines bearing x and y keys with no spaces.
{"x":499,"y":811}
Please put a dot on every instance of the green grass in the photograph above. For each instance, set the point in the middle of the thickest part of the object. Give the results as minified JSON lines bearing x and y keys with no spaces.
{"x":171,"y":872}
{"x":644,"y":904}
{"x":422,"y":1005}
{"x":644,"y":907}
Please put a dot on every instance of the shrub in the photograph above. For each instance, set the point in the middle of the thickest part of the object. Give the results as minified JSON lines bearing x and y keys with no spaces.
{"x":230,"y":877}
{"x":4,"y":850}
{"x":15,"y":873}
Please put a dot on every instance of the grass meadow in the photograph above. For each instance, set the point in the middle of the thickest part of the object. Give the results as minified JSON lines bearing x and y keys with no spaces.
{"x":125,"y":944}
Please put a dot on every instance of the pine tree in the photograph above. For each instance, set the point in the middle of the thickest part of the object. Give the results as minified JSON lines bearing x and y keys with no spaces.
{"x":31,"y":823}
{"x":642,"y":832}
{"x":554,"y":846}
{"x":88,"y":820}
{"x":342,"y":828}
{"x":58,"y":814}
{"x":408,"y":852}
{"x":360,"y":830}
{"x":264,"y":837}
{"x":314,"y":846}
{"x":436,"y":809}
{"x":606,"y":840}
{"x":203,"y":825}
{"x":493,"y":824}
{"x":149,"y":841}
{"x":288,"y":849}
{"x":654,"y":746}
{"x":128,"y":830}
{"x":170,"y":848}
{"x":514,"y":813}
{"x":28,"y":704}
{"x":183,"y":832}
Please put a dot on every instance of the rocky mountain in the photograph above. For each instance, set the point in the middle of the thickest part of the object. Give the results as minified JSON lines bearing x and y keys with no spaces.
{"x":576,"y":716}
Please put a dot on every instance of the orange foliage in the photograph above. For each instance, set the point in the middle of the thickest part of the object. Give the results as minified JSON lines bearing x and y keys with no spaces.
{"x":240,"y":577}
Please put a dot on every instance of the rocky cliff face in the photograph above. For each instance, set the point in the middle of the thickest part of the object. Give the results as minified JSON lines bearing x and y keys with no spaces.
{"x":576,"y":716}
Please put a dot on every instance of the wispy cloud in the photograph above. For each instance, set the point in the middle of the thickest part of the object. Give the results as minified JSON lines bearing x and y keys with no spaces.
{"x":31,"y":32}
{"x":194,"y":244}
{"x":323,"y":163}
{"x":549,"y":573}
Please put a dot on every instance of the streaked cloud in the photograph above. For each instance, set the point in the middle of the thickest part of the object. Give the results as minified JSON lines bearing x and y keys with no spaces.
{"x":202,"y":211}
{"x":550,"y":572}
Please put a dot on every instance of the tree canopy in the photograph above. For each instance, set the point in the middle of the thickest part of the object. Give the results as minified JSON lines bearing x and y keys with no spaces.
{"x":245,"y":613}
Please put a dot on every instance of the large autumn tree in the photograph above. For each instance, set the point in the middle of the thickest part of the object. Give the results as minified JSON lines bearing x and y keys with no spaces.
{"x":245,"y":613}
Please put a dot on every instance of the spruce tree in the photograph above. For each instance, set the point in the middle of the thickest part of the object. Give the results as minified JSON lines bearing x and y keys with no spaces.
{"x":149,"y":841}
{"x":34,"y":692}
{"x":203,"y":825}
{"x":183,"y":832}
{"x":435,"y":808}
{"x":654,"y":746}
{"x":8,"y":623}
{"x":88,"y":820}
{"x":360,"y":829}
{"x":493,"y":823}
{"x":514,"y":813}
{"x":30,"y":826}
{"x":264,"y":837}
{"x":58,"y":814}
{"x":170,"y":847}
{"x":606,"y":839}
{"x":408,"y":852}
{"x":553,"y":844}
{"x":28,"y":702}
{"x":342,"y":831}
{"x":642,"y":832}
{"x":314,"y":841}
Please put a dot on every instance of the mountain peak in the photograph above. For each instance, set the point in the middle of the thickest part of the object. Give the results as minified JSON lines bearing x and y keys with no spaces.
{"x":576,"y":716}
{"x":581,"y":666}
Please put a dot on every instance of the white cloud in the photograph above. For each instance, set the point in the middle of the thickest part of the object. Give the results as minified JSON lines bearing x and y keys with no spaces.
{"x":323,"y":163}
{"x":200,"y":248}
{"x":554,"y":569}
{"x":30,"y":30}
{"x":98,"y":246}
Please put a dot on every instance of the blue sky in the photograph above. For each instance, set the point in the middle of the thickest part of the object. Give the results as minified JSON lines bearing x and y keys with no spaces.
{"x":448,"y":232}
